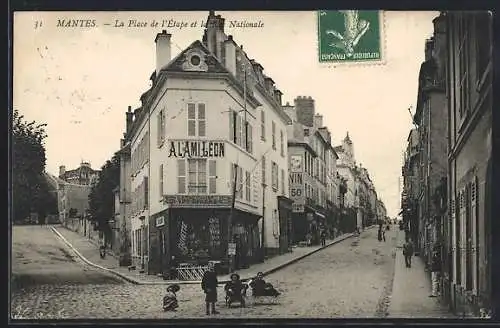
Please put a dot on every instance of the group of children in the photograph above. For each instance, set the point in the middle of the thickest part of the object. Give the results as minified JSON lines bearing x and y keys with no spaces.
{"x":235,"y":291}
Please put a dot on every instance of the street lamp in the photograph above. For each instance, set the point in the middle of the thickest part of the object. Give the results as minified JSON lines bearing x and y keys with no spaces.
{"x":143,"y":218}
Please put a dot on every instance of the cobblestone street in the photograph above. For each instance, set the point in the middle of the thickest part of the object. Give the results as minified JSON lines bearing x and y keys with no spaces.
{"x":344,"y":280}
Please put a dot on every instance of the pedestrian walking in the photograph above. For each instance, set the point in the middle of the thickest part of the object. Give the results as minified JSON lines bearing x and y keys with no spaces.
{"x":379,"y":234}
{"x":435,"y":268}
{"x":408,"y":252}
{"x":209,"y":285}
{"x":383,"y":234}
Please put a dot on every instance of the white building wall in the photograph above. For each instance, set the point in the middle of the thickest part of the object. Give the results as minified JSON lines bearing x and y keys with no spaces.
{"x":218,"y":97}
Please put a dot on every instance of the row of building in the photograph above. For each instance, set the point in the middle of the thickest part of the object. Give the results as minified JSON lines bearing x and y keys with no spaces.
{"x":212,"y":118}
{"x":446,"y":200}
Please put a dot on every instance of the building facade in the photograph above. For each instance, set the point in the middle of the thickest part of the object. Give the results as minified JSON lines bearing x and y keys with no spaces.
{"x":469,"y":71}
{"x":83,"y":175}
{"x":210,"y":118}
{"x":430,"y":118}
{"x":312,"y":163}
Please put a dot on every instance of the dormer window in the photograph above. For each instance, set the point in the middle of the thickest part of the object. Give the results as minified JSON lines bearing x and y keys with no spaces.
{"x":195,"y":60}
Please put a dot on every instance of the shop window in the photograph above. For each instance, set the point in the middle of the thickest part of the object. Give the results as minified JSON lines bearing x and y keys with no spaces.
{"x":197,"y":176}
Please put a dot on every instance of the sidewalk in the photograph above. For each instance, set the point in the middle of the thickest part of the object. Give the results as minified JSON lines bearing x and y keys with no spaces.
{"x":411,"y":290}
{"x":89,"y":253}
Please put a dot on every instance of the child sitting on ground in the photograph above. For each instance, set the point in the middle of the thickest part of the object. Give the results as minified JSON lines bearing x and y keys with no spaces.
{"x":170,"y":298}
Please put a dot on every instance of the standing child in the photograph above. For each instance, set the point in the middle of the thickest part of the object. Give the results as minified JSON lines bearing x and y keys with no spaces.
{"x":209,"y":285}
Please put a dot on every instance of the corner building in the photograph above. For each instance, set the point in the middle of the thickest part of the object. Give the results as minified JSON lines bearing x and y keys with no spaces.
{"x":213,"y":114}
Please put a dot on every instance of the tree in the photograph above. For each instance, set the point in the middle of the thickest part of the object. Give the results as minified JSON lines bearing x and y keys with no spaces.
{"x":101,"y":197}
{"x":29,"y":188}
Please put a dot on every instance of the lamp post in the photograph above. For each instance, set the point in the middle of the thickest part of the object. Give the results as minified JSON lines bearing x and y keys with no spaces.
{"x":142,"y":218}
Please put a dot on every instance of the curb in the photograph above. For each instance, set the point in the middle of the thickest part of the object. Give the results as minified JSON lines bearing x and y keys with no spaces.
{"x":58,"y":234}
{"x":184,"y":282}
{"x":346,"y":236}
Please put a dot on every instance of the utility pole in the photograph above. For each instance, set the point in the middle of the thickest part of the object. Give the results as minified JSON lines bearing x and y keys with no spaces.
{"x":233,"y":200}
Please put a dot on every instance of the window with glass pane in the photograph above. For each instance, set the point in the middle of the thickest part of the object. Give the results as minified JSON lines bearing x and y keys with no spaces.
{"x":160,"y":185}
{"x":181,"y":176}
{"x":191,"y":120}
{"x":201,"y":120}
{"x":197,"y":176}
{"x":212,"y":172}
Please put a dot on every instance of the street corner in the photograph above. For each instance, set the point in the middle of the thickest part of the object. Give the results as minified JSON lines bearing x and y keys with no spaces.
{"x":351,"y":37}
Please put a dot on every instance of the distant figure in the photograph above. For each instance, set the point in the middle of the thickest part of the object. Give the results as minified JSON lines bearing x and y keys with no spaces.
{"x":309,"y":239}
{"x":209,"y":285}
{"x":379,"y":234}
{"x":435,"y":269}
{"x":170,"y":299}
{"x":408,"y":252}
{"x":383,"y":234}
{"x":41,"y":220}
{"x":323,"y":237}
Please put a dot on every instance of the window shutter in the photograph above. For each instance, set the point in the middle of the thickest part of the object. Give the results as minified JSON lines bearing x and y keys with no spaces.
{"x":212,"y":172}
{"x":231,"y":125}
{"x":158,"y":129}
{"x":474,"y":232}
{"x":250,"y":139}
{"x":160,"y":184}
{"x":201,"y":120}
{"x":181,"y":176}
{"x":238,"y":131}
{"x":146,"y":192}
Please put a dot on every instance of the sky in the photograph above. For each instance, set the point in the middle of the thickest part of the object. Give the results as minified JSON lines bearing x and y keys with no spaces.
{"x":80,"y":80}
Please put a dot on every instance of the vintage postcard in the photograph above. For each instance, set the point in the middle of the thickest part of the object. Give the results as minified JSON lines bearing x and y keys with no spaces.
{"x":255,"y":165}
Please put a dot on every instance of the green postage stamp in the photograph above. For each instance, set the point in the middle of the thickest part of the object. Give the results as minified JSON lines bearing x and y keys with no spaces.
{"x":350,"y":36}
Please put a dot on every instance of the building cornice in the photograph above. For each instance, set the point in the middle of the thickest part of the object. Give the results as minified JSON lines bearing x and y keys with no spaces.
{"x":303,"y":144}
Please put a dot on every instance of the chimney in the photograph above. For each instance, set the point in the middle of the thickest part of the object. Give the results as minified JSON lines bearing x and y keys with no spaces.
{"x":62,"y":170}
{"x":318,"y":121}
{"x":305,"y":110}
{"x":230,"y":50}
{"x":163,"y":50}
{"x":429,"y":45}
{"x":129,"y":119}
{"x":269,"y":84}
{"x":277,"y":95}
{"x":211,"y":32}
